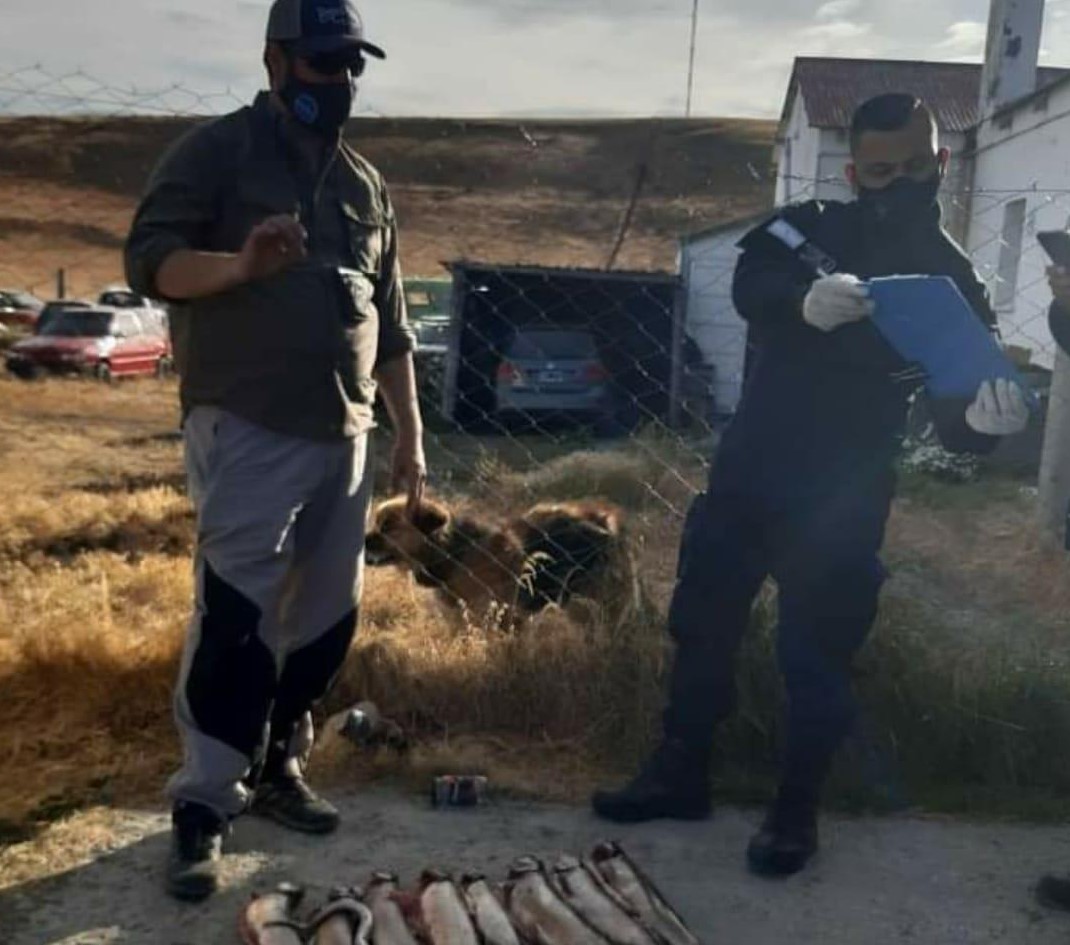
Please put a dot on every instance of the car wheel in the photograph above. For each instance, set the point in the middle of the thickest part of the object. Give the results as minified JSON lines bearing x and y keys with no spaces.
{"x":103,"y":373}
{"x":25,"y":372}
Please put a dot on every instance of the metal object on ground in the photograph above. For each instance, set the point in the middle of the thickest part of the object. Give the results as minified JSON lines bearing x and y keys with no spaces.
{"x":361,"y":723}
{"x":452,"y":790}
{"x":365,"y":726}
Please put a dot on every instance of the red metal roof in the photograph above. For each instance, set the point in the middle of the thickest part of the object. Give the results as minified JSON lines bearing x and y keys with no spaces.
{"x":833,"y":88}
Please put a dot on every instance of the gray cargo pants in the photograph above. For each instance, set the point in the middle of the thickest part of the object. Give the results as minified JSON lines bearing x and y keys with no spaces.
{"x":279,"y":564}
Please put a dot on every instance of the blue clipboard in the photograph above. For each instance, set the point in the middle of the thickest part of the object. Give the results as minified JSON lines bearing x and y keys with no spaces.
{"x":929,"y":323}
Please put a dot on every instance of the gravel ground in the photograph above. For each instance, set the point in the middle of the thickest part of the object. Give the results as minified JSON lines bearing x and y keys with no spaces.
{"x":883,"y":880}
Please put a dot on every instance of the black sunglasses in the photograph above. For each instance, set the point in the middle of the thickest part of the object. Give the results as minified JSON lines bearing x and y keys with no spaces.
{"x":331,"y":63}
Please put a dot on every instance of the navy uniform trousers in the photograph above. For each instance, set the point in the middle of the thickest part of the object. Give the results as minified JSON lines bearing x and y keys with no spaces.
{"x":823,"y":555}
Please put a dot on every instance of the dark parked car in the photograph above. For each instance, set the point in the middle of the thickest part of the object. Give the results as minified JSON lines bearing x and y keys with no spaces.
{"x":96,"y":341}
{"x":553,"y":371}
{"x":19,"y":309}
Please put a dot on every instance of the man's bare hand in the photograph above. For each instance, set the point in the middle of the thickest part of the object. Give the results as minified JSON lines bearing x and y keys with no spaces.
{"x":408,"y":472}
{"x":1059,"y":280}
{"x":272,"y":246}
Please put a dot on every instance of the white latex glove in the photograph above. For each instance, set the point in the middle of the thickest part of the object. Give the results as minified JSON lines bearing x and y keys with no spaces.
{"x":999,"y":410}
{"x":836,"y":300}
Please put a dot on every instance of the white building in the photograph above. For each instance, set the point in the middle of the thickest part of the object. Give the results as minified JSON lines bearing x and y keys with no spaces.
{"x":1007,"y":124}
{"x":707,"y":263}
{"x":1020,"y":165}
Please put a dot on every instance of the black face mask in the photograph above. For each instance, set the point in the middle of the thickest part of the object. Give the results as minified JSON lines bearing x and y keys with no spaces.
{"x":904,"y":202}
{"x":320,"y":107}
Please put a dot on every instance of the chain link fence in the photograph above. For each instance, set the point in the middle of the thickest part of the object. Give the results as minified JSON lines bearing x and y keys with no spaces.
{"x":520,"y":365}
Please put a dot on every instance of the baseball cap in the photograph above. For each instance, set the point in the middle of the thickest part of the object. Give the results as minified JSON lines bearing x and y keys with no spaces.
{"x":319,"y":26}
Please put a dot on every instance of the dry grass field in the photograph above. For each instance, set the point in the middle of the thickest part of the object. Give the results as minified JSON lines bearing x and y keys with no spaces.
{"x":95,"y":542}
{"x":552,"y":193}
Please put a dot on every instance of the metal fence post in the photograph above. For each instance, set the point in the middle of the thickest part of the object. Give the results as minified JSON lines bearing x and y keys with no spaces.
{"x":1055,"y":462}
{"x":676,"y":375}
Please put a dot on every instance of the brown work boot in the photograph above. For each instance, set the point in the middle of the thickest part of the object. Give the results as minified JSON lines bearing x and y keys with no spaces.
{"x":287,"y":799}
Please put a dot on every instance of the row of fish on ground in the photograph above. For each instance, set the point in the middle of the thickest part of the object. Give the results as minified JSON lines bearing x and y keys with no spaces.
{"x":603,"y":899}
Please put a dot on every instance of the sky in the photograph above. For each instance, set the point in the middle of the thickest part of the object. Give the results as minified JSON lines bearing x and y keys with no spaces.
{"x":539,"y":58}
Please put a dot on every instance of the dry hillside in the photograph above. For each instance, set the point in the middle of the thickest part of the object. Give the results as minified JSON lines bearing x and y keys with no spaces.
{"x":548,"y":192}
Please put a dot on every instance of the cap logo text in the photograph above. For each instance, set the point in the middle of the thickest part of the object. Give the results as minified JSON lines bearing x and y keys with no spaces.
{"x":333,"y":15}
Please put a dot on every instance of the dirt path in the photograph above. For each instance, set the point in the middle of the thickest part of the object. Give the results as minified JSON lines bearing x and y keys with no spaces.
{"x":893,"y":880}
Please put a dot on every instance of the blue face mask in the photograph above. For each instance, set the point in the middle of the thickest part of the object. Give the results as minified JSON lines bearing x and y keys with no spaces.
{"x":320,"y":107}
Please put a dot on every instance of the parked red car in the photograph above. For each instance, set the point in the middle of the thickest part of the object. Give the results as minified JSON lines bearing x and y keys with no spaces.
{"x":19,"y":309}
{"x":102,"y":342}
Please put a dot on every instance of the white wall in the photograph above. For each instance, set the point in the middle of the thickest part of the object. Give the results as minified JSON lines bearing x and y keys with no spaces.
{"x":799,"y":152}
{"x":1030,"y":161}
{"x":707,"y":264}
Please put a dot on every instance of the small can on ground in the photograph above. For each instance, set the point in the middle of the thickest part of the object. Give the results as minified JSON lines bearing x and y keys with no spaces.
{"x":463,"y":790}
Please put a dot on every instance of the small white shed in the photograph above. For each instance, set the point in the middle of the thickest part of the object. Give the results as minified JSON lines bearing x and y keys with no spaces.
{"x":707,"y":263}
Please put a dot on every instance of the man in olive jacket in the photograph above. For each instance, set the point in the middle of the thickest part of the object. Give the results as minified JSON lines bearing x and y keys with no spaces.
{"x":276,"y":245}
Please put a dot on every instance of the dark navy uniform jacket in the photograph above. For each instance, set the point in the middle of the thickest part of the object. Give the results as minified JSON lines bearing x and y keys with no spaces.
{"x":1059,"y":321}
{"x":825,"y":411}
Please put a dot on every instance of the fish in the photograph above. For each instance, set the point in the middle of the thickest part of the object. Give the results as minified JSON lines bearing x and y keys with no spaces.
{"x":603,"y":911}
{"x":539,"y":913}
{"x":343,"y":920}
{"x":444,"y":913}
{"x":268,"y":919}
{"x":641,"y":894}
{"x":389,"y":926}
{"x":488,"y":913}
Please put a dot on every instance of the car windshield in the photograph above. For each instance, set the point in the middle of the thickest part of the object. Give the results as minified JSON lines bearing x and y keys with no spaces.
{"x":537,"y":345}
{"x":77,"y":324}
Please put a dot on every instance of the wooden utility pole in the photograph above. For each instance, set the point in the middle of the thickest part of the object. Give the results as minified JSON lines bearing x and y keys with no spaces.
{"x":691,"y":61}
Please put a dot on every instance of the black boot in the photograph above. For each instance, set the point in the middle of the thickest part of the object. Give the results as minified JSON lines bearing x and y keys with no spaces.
{"x":1054,"y":892}
{"x":675,"y":782}
{"x":788,"y":838}
{"x":196,"y":850}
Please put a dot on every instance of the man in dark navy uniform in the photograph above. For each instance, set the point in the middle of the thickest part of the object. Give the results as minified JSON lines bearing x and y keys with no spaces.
{"x":803,"y":480}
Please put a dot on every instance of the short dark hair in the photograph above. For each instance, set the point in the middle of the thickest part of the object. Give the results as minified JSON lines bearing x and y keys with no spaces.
{"x":889,"y":112}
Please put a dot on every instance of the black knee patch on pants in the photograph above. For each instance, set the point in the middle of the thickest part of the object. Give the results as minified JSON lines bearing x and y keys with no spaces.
{"x":308,"y":675}
{"x":231,"y":679}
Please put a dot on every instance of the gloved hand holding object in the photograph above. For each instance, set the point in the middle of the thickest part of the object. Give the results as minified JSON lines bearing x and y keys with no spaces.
{"x":837,"y":300}
{"x":999,"y":410}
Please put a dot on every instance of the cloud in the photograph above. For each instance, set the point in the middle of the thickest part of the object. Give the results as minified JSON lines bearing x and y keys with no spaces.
{"x":963,"y":40}
{"x":838,"y":9}
{"x":495,"y":57}
{"x":837,"y":31}
{"x":542,"y":11}
{"x":184,"y":19}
